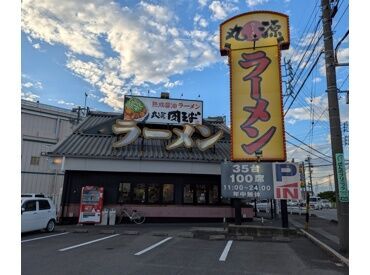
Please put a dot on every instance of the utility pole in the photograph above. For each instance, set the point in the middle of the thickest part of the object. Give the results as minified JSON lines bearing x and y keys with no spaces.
{"x":308,"y":159}
{"x":307,"y":197}
{"x":334,"y":118}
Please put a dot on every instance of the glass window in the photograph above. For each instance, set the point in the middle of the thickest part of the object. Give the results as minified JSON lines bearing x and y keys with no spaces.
{"x":168,"y":191}
{"x":35,"y":160}
{"x":124,"y":192}
{"x":43,"y":205}
{"x":154,"y":191}
{"x":188,"y":194}
{"x":201,"y":193}
{"x":213,"y":194}
{"x":139,"y":193}
{"x":30,"y":205}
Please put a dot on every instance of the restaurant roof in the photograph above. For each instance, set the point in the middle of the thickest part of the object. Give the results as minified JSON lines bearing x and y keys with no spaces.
{"x":94,"y":139}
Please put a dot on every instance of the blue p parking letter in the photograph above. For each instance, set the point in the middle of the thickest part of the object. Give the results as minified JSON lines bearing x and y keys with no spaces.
{"x":285,"y":170}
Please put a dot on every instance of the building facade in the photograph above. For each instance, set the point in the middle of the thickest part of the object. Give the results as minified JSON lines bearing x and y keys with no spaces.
{"x":180,"y":183}
{"x":42,"y":128}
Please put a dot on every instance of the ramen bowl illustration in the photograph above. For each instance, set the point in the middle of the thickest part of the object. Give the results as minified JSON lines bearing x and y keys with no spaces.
{"x":135,"y":110}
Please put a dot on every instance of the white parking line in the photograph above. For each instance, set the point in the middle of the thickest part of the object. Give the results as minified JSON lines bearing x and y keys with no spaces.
{"x":152,"y":246}
{"x":82,"y":244}
{"x":39,"y":238}
{"x":226,"y":251}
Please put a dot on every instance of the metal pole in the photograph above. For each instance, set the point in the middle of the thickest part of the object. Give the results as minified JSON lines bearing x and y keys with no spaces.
{"x":307,"y":210}
{"x":284,"y":213}
{"x":271,"y":211}
{"x":334,"y":118}
{"x":310,"y":173}
{"x":238,"y":211}
{"x":275,"y":211}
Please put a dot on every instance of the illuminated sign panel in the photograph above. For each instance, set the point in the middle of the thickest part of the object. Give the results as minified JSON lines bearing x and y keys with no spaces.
{"x":252,"y":42}
{"x":253,"y":30}
{"x":162,"y":111}
{"x":256,"y":104}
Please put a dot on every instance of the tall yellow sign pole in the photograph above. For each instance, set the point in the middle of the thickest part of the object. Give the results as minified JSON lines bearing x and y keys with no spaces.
{"x":253,"y":41}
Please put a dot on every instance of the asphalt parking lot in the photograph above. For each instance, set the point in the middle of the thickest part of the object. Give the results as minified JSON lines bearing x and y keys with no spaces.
{"x":164,"y":249}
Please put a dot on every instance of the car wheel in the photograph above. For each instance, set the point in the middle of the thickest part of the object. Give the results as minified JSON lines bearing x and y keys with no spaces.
{"x":51,"y":225}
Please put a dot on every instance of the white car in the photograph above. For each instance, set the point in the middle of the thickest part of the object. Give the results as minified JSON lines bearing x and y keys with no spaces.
{"x":315,"y":203}
{"x":326,"y":203}
{"x":37,"y":213}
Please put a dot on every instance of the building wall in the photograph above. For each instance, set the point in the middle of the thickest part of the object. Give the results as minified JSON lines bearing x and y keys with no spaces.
{"x":43,"y":127}
{"x":178,"y":208}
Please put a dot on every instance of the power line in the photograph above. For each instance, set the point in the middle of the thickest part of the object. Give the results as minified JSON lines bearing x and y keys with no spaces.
{"x":340,"y":18}
{"x":307,"y":151}
{"x":313,"y":66}
{"x":307,"y":145}
{"x":310,"y":20}
{"x":344,"y":81}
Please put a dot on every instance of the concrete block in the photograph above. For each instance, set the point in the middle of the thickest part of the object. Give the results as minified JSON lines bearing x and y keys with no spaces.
{"x":107,"y":231}
{"x":186,"y":235}
{"x":217,"y":237}
{"x":160,"y":234}
{"x":244,"y":238}
{"x":280,"y":239}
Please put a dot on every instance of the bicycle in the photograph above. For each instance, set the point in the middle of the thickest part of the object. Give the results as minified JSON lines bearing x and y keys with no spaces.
{"x":135,"y":216}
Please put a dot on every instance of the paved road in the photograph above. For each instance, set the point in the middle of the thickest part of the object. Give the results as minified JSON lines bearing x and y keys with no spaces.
{"x":327,"y":214}
{"x":94,"y":253}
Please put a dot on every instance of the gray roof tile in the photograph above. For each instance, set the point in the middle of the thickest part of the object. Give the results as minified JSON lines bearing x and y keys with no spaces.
{"x":94,"y":138}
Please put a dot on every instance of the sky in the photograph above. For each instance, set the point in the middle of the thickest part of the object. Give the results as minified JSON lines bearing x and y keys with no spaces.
{"x":111,"y":48}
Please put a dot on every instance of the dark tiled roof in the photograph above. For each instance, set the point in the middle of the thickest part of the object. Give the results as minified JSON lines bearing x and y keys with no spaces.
{"x":94,"y":138}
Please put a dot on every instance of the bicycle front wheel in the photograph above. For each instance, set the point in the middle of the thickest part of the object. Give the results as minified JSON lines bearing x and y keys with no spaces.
{"x":138,"y":218}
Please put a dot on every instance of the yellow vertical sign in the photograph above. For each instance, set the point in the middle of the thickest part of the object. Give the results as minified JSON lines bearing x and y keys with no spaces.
{"x":253,"y":42}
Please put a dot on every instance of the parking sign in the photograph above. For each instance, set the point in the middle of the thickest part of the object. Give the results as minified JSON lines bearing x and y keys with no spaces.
{"x":286,"y":181}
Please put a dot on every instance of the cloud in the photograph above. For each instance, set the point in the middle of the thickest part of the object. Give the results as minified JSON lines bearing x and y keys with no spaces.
{"x":148,"y":47}
{"x":202,"y":3}
{"x":198,"y":20}
{"x":36,"y":46}
{"x":319,"y":104}
{"x":173,"y":84}
{"x":69,"y":104}
{"x":28,"y":82}
{"x":29,"y":96}
{"x":105,"y":76}
{"x":343,"y":55}
{"x":316,"y":79}
{"x":221,"y":10}
{"x":253,"y":3}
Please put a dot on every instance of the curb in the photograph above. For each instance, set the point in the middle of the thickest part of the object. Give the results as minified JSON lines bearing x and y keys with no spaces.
{"x":107,"y":231}
{"x":186,"y":235}
{"x":130,"y":233}
{"x":217,"y":237}
{"x":326,"y":247}
{"x":160,"y":234}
